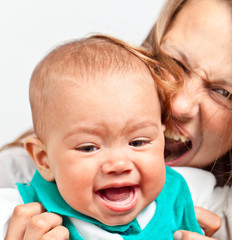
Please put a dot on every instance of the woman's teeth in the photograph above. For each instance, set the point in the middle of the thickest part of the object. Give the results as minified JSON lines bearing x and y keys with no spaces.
{"x":176,"y":145}
{"x":175,"y":136}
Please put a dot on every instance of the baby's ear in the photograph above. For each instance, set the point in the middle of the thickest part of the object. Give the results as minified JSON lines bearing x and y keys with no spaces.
{"x":37,"y":151}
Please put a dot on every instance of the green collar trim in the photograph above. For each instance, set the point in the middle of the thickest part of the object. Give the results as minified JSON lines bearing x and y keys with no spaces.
{"x":48,"y":194}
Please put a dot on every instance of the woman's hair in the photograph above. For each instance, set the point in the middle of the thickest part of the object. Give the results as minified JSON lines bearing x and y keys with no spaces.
{"x":165,"y":19}
{"x":221,"y":168}
{"x":19,"y":141}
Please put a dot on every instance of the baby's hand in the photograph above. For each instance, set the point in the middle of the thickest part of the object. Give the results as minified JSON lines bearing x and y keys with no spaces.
{"x":31,"y":221}
{"x":209,"y":222}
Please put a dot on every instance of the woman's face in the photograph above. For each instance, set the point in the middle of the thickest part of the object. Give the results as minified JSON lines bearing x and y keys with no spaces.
{"x":200,"y":40}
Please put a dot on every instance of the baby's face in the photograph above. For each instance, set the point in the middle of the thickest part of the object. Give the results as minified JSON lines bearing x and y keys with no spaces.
{"x":106,"y":146}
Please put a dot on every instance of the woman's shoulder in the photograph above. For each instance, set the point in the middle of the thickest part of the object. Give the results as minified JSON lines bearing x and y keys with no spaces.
{"x":15,"y":166}
{"x":201,"y":184}
{"x":9,"y":199}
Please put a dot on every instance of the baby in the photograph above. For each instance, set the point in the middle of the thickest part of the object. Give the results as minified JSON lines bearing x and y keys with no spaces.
{"x":99,"y":145}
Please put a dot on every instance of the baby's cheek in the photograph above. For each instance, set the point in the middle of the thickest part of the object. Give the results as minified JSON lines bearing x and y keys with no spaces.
{"x":153,"y":183}
{"x":74,"y":190}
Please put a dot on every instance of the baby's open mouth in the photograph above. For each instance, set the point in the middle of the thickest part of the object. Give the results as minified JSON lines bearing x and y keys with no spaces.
{"x":119,"y":199}
{"x":175,"y":145}
{"x":116,"y":194}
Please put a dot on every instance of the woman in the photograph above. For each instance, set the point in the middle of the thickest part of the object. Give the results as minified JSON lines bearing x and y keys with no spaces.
{"x":197,"y":35}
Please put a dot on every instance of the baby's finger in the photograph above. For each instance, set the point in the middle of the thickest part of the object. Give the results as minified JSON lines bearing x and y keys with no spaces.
{"x":20,"y":219}
{"x":41,"y":224}
{"x":58,"y":233}
{"x":186,"y":235}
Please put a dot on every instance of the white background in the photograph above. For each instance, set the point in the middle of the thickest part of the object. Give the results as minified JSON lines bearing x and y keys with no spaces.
{"x":30,"y":28}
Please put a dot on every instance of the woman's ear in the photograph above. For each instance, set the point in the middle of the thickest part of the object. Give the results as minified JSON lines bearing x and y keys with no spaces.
{"x":37,"y":151}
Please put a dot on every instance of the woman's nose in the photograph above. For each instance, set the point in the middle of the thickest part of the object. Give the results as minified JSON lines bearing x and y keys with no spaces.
{"x":117,"y":164}
{"x":185,"y":103}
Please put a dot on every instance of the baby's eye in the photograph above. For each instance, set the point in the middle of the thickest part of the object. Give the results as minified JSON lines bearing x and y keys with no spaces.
{"x":139,"y":142}
{"x":87,"y":147}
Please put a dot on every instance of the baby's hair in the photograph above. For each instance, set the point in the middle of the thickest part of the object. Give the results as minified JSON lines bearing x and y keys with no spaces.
{"x":91,"y":55}
{"x":86,"y":56}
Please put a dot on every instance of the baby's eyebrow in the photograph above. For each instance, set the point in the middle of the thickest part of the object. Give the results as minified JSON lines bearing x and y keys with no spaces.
{"x":82,"y":129}
{"x":144,"y":124}
{"x":135,"y":125}
{"x":100,"y":129}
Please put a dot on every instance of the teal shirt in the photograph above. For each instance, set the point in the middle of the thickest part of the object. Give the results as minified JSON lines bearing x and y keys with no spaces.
{"x":174,"y":209}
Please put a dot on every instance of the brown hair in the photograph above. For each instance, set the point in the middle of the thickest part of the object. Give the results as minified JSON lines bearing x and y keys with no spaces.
{"x":18,"y":142}
{"x":166,"y":17}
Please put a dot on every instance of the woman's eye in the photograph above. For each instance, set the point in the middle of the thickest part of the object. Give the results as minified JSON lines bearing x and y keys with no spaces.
{"x":180,"y":64}
{"x":221,"y":96}
{"x":139,"y":142}
{"x":223,"y":92}
{"x":87,"y":148}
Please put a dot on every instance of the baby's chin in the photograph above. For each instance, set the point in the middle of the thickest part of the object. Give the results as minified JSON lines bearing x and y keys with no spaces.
{"x":118,"y":220}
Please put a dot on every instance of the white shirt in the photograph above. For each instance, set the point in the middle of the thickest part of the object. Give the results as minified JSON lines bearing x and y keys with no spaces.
{"x":216,"y":199}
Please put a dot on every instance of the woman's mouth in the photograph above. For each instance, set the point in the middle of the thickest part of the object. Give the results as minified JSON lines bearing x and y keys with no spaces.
{"x":119,"y":199}
{"x":176,"y":145}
